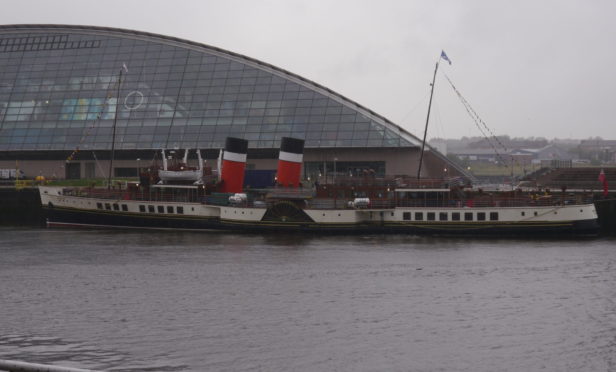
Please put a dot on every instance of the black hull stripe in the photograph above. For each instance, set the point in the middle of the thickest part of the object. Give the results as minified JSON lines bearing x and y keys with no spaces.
{"x":81,"y":218}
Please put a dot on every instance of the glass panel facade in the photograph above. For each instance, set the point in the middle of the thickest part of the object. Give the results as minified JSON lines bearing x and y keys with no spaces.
{"x":59,"y":90}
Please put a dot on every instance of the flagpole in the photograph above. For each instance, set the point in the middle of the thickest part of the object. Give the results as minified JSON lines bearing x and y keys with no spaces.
{"x":423,"y":143}
{"x":113,"y":135}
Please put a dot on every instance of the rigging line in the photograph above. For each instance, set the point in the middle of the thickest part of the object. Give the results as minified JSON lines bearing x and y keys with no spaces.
{"x":477,"y":119}
{"x":98,"y":163}
{"x":408,"y":114}
{"x":476,"y":115}
{"x":470,"y":113}
{"x":438,"y":121}
{"x":177,"y":102}
{"x":99,"y":115}
{"x":486,"y":126}
{"x":498,"y":155}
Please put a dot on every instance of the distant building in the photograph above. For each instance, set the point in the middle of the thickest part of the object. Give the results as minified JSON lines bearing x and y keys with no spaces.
{"x":522,"y":157}
{"x":598,"y":149}
{"x":481,"y":154}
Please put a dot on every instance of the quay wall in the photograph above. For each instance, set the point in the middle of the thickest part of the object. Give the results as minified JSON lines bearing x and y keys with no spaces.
{"x":23,"y":208}
{"x":606,"y":209}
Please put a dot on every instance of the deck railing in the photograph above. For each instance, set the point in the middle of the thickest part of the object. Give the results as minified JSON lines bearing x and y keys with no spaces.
{"x":333,"y":203}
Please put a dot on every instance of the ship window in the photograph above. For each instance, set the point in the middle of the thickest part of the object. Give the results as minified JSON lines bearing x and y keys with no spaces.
{"x":523,"y":214}
{"x":468,"y":216}
{"x":151,"y":208}
{"x":455,"y":216}
{"x":142,"y":208}
{"x":99,"y":205}
{"x":116,"y":207}
{"x":481,"y":216}
{"x":406,"y":216}
{"x":418,"y":216}
{"x":161,"y":209}
{"x":169,"y":209}
{"x":493,"y":216}
{"x":442,"y":216}
{"x":431,"y":216}
{"x":180,"y":210}
{"x":108,"y":206}
{"x":125,"y":207}
{"x":535,"y":213}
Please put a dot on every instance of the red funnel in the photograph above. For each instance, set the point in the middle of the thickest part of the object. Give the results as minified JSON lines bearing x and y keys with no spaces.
{"x":290,"y":162}
{"x":233,"y":165}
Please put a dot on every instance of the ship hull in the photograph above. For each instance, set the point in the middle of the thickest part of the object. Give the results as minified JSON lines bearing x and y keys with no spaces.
{"x":73,"y":210}
{"x":68,"y":217}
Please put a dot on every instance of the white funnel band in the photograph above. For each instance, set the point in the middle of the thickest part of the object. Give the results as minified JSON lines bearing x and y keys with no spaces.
{"x":291,"y":157}
{"x":233,"y":156}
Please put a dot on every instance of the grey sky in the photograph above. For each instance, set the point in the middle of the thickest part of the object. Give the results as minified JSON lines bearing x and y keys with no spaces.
{"x":529,"y":68}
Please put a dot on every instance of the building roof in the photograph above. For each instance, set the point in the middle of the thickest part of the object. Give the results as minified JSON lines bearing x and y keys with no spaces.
{"x":57,"y":93}
{"x":152,"y":37}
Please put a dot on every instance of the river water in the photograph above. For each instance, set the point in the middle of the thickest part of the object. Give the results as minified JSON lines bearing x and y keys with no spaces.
{"x":142,"y":301}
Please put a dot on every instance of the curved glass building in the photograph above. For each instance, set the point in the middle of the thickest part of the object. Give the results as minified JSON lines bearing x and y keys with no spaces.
{"x":60,"y":94}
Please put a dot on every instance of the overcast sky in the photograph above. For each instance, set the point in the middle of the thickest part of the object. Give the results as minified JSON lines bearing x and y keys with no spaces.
{"x":528,"y":68}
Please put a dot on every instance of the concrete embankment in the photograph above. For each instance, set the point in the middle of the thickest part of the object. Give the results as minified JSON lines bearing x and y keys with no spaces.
{"x":23,"y":208}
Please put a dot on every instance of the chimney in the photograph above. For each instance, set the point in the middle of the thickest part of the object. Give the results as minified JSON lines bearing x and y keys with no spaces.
{"x":290,"y":161}
{"x":233,"y":165}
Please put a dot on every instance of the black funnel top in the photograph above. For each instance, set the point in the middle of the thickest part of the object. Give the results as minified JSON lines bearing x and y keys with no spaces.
{"x":236,"y":145}
{"x":292,"y":145}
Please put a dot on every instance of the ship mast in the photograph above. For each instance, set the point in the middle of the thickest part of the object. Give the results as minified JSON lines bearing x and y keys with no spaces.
{"x":423,"y":143}
{"x":113,"y":135}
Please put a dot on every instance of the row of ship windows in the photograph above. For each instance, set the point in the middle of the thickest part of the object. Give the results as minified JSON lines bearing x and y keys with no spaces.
{"x":455,"y":216}
{"x":142,"y":208}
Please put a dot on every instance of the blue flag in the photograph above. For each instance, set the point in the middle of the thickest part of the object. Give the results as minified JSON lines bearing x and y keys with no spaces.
{"x":444,"y":56}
